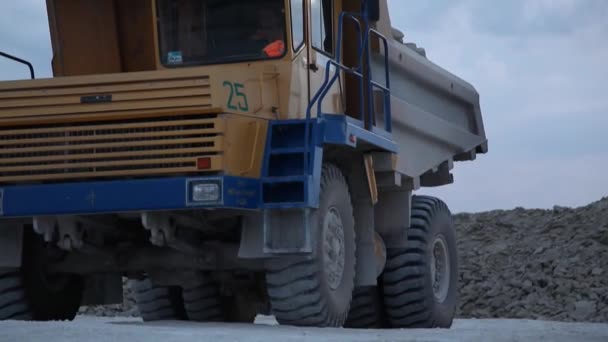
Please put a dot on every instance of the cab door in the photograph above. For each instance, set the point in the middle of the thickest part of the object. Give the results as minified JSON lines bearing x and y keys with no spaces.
{"x":321,"y":47}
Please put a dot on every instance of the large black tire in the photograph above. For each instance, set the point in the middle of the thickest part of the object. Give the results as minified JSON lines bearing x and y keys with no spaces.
{"x":413,"y":299}
{"x":29,"y":293}
{"x":159,"y":303}
{"x":367,"y":309}
{"x":13,"y":303}
{"x":239,"y":309}
{"x":305,"y":292}
{"x":203,"y":303}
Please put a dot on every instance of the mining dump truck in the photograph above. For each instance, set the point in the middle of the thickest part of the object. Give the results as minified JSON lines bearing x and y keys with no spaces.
{"x":233,"y":158}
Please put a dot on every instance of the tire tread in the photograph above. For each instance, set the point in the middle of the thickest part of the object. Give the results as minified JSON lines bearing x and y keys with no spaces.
{"x":294,"y":286}
{"x":13,"y":302}
{"x":404,"y":280}
{"x":203,"y":302}
{"x":156,"y":303}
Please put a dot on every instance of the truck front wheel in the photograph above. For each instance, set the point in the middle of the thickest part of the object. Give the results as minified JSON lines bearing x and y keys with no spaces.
{"x":420,"y":281}
{"x":30,"y":293}
{"x":317,"y":290}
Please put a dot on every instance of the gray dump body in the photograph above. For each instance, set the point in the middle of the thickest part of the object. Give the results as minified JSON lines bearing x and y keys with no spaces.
{"x":436,"y":115}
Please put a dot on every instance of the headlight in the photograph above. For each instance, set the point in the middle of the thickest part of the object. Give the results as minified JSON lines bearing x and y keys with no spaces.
{"x":206,"y":192}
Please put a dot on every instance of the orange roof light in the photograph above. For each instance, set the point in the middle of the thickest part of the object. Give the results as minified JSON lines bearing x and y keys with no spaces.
{"x":275,"y":49}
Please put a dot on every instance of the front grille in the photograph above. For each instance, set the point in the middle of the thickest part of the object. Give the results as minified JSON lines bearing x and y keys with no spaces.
{"x":142,"y":147}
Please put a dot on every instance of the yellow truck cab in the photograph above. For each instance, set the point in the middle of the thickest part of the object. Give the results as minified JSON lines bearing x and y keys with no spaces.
{"x":233,"y":158}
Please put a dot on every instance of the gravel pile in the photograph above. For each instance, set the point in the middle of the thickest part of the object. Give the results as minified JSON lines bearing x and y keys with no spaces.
{"x":539,"y":264}
{"x":533,"y":264}
{"x":128,"y":308}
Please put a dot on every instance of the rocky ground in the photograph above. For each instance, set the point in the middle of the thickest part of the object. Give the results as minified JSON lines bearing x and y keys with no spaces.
{"x":536,"y":264}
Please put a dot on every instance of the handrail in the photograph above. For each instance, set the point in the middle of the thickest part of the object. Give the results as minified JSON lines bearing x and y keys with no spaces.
{"x":19,"y":60}
{"x":327,"y":83}
{"x":339,"y":66}
{"x":362,"y":43}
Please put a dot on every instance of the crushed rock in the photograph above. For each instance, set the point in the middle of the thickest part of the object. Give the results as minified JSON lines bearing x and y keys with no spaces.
{"x":538,"y":264}
{"x":128,"y":308}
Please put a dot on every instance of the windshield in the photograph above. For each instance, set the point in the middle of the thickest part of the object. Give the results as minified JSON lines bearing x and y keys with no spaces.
{"x":193,"y":32}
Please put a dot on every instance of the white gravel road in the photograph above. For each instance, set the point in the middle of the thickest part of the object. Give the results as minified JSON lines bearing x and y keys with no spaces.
{"x":133,"y":330}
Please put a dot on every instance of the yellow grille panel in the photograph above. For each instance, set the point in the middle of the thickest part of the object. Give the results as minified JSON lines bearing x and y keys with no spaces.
{"x":135,"y":147}
{"x":64,"y":96}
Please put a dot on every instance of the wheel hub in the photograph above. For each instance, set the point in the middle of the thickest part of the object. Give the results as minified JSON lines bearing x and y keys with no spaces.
{"x":333,"y":247}
{"x":440,"y":269}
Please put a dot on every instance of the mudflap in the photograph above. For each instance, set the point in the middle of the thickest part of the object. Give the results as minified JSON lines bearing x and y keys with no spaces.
{"x":288,"y":231}
{"x":275,"y":232}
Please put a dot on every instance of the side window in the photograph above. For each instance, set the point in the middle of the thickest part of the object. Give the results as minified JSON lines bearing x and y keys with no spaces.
{"x":297,"y":23}
{"x":322,"y":25}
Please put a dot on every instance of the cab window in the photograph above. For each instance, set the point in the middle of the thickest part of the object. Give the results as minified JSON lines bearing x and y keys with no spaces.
{"x":322,"y":25}
{"x":297,"y":23}
{"x":194,"y":32}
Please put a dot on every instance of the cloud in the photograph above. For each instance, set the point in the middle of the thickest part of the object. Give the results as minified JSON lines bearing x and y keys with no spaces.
{"x":538,"y":9}
{"x":24,"y":32}
{"x":548,"y":74}
{"x":540,"y":69}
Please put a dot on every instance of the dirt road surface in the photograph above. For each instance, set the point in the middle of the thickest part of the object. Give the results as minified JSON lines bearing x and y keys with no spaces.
{"x":133,"y":330}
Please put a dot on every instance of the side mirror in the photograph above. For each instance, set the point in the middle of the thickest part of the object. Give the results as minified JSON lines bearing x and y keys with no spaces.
{"x":371,"y":9}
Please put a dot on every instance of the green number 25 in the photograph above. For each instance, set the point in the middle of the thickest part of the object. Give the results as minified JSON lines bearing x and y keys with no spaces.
{"x":236,"y":93}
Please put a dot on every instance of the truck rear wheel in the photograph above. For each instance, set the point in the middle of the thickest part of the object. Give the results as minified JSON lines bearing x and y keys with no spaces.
{"x":30,"y":293}
{"x":159,"y":303}
{"x":203,"y":303}
{"x":238,"y":309}
{"x":367,"y":310}
{"x":420,"y":281}
{"x":317,"y":290}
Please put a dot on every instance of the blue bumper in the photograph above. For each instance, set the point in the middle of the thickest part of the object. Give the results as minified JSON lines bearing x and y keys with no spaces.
{"x":125,"y":196}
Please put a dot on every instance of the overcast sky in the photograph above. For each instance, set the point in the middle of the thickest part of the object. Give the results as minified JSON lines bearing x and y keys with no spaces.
{"x":541,"y":67}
